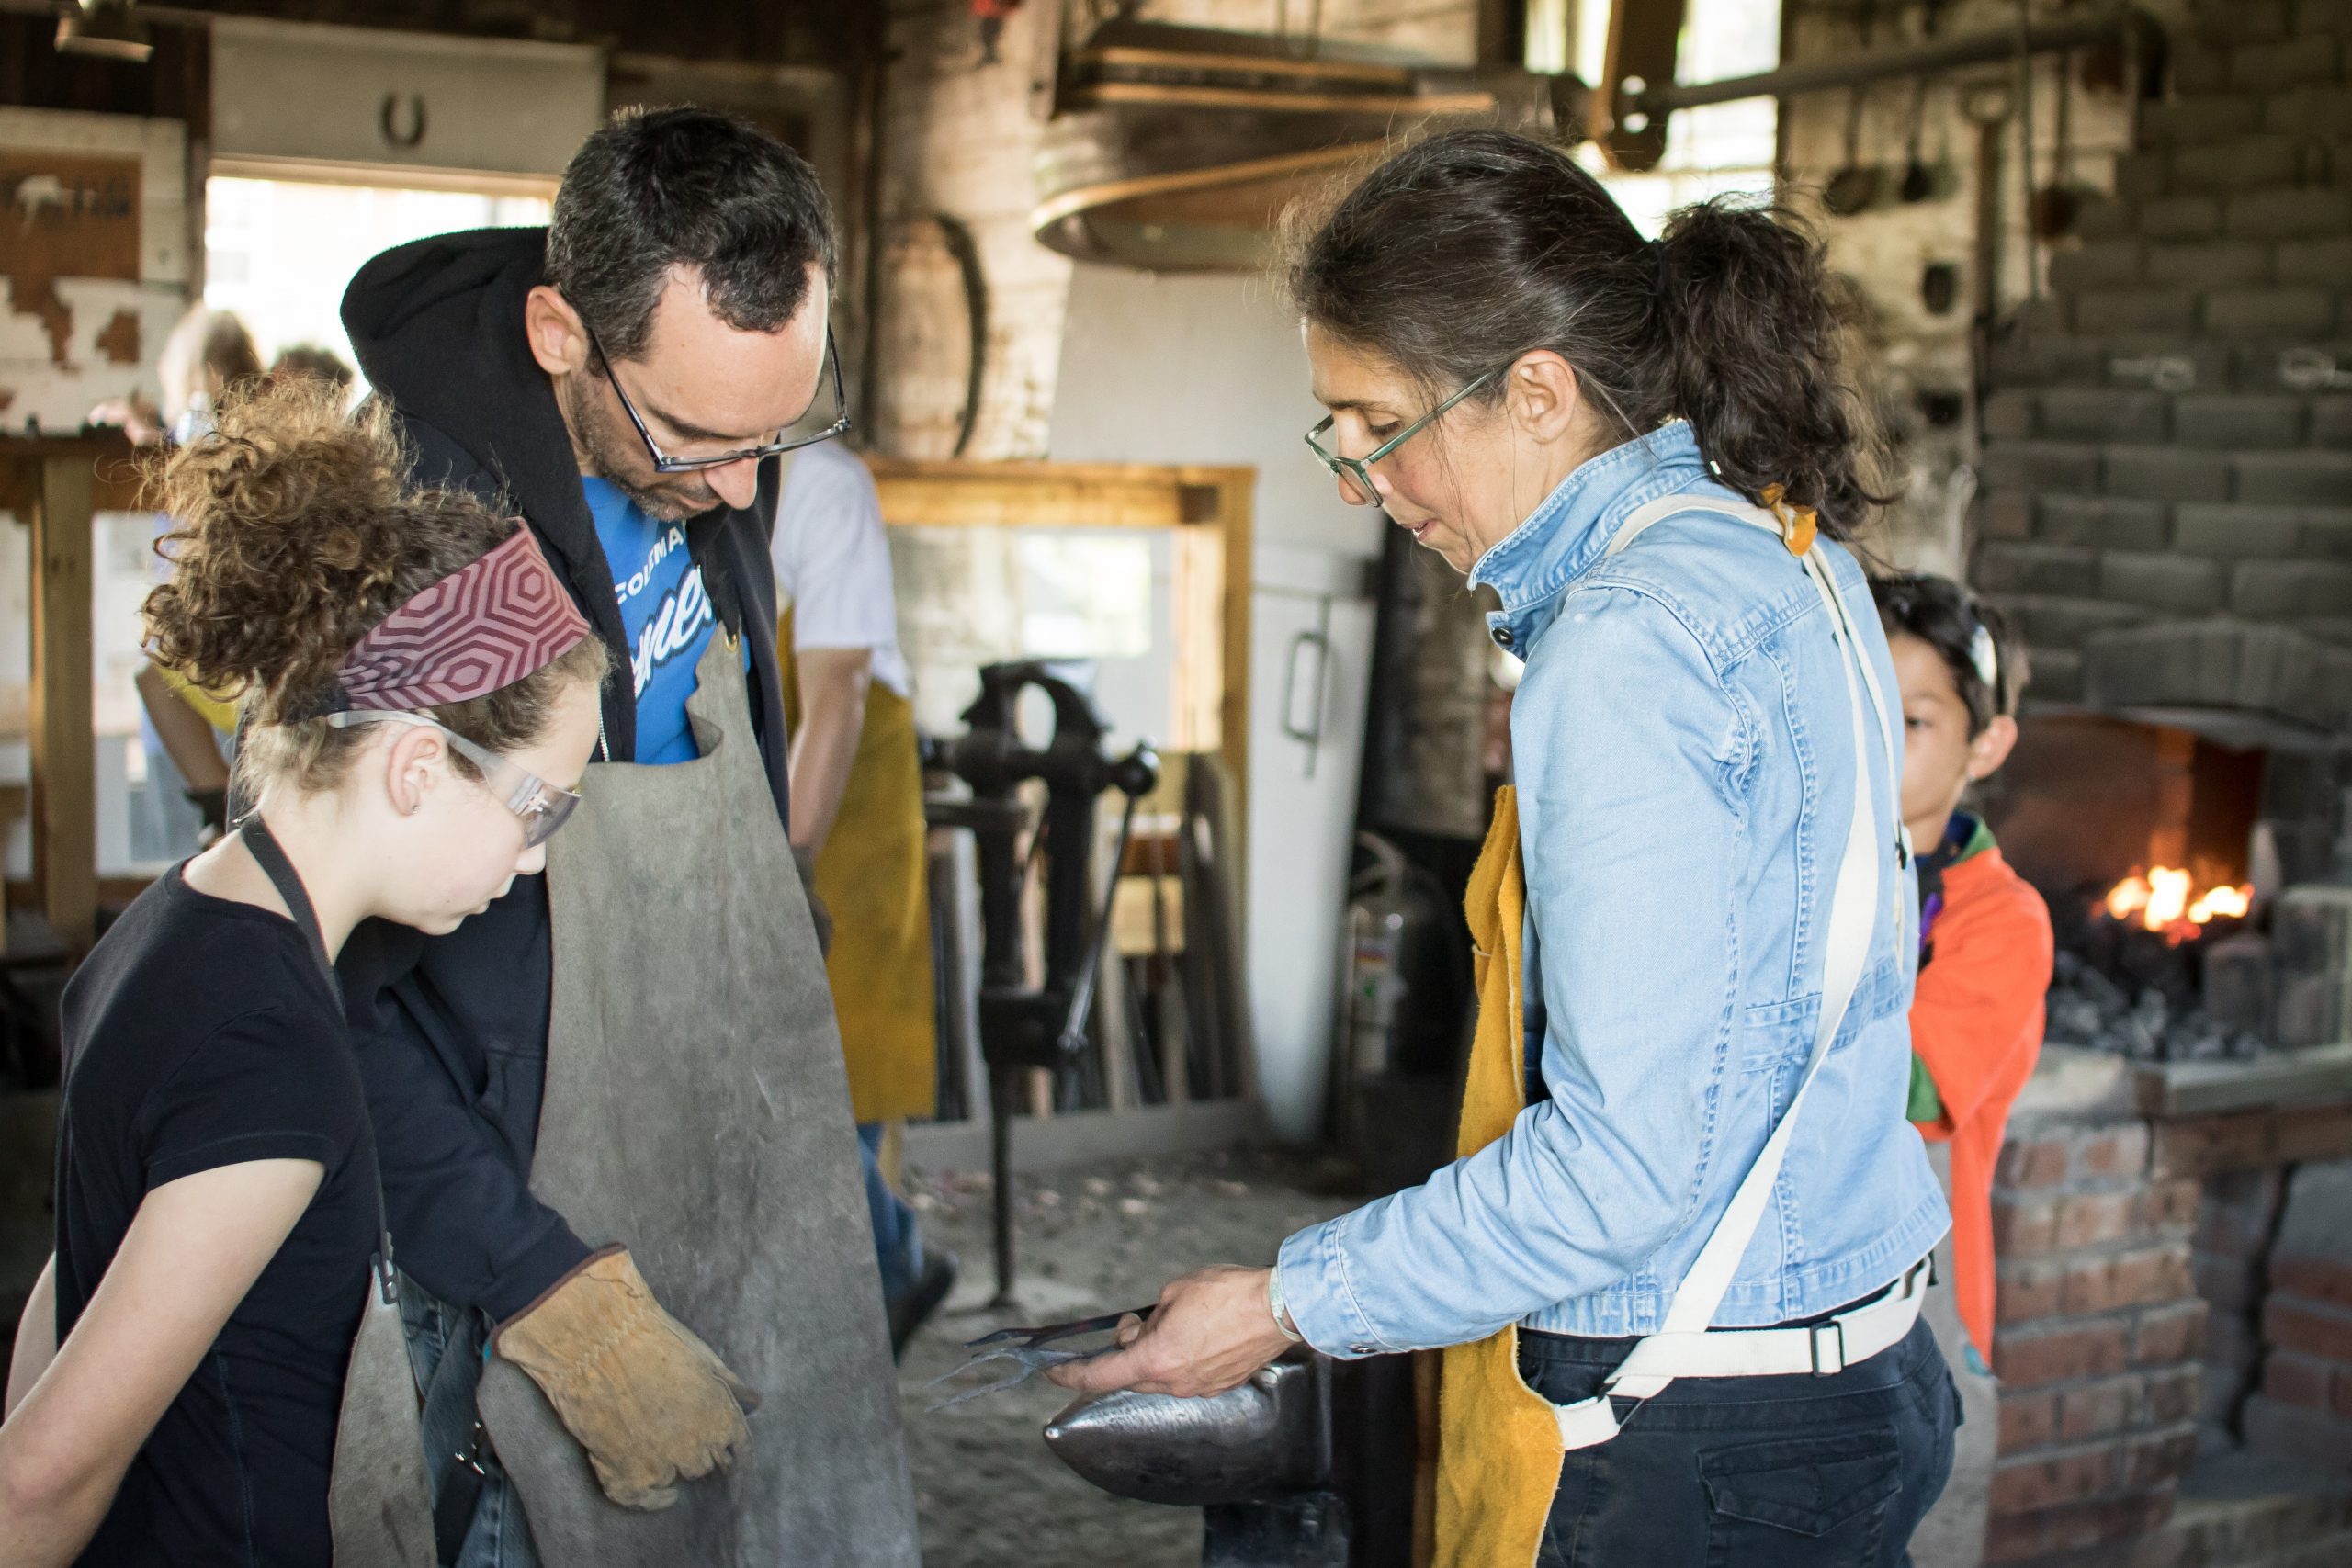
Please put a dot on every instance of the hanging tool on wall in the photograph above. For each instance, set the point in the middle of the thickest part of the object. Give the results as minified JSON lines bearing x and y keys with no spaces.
{"x":1024,"y":1026}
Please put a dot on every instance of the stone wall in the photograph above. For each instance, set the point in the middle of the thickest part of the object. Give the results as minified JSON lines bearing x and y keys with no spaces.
{"x":2168,"y":471}
{"x":1917,"y":364}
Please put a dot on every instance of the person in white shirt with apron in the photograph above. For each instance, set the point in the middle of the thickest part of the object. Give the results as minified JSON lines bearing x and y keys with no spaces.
{"x":857,"y":829}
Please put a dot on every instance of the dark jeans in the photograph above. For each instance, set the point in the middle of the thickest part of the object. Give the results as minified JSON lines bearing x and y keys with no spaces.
{"x":1750,"y":1473}
{"x":444,"y":1349}
{"x":897,"y":1241}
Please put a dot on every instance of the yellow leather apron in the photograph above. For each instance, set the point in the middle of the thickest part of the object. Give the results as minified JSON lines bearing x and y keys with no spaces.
{"x":1498,"y":1445}
{"x":872,"y":877}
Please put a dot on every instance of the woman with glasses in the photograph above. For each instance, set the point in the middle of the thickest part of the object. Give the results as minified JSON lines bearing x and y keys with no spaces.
{"x":419,"y":695}
{"x":1680,"y":1259}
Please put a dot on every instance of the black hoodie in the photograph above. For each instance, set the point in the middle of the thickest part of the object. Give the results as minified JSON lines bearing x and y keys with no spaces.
{"x":452,"y":1030}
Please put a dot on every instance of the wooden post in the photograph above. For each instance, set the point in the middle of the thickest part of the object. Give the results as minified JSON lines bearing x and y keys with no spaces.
{"x":1236,"y":515}
{"x":65,"y":755}
{"x":1644,"y":37}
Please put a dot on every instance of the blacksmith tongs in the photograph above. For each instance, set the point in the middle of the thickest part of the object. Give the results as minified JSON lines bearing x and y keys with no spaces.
{"x":1029,"y":1348}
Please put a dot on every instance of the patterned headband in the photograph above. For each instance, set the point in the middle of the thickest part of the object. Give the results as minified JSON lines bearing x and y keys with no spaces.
{"x":487,"y":625}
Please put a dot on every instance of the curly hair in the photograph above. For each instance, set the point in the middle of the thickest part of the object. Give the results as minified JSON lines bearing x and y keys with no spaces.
{"x":295,"y":532}
{"x":1469,"y":248}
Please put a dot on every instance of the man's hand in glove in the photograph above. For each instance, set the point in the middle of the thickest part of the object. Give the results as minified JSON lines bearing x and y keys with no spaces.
{"x":650,"y":1402}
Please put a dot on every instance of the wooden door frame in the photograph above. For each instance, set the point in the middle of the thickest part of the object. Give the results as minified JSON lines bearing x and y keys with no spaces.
{"x":1208,"y":510}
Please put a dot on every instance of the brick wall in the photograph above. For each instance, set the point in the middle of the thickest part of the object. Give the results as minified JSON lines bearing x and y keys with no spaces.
{"x":2151,"y":459}
{"x":2235,"y":1226}
{"x":1917,"y":355}
{"x":2304,"y":1409}
{"x":2098,"y":1341}
{"x":2168,"y":461}
{"x":2165,"y":1286}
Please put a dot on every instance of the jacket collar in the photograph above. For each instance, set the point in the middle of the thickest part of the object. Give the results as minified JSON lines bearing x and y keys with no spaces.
{"x":1569,"y":530}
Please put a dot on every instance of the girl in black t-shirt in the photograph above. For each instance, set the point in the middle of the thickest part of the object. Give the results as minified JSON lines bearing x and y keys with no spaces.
{"x":420,"y":697}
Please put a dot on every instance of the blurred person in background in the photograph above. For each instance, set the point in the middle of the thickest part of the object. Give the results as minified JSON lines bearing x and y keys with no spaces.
{"x":186,"y":733}
{"x":857,"y":827}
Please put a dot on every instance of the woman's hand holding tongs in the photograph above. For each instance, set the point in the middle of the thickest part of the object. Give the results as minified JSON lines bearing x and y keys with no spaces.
{"x":1210,"y":1330}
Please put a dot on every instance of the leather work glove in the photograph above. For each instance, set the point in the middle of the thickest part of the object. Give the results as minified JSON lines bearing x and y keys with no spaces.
{"x":647,"y":1400}
{"x":819,"y":916}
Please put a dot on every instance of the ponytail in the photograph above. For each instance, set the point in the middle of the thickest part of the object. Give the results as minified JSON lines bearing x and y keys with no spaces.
{"x":1753,"y":348}
{"x":1470,"y":248}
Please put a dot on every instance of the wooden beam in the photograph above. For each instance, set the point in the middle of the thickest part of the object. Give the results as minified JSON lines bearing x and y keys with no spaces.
{"x":1397,"y":78}
{"x":1096,"y":94}
{"x":1643,"y":37}
{"x":1198,"y":675}
{"x":64,"y":754}
{"x":962,"y":493}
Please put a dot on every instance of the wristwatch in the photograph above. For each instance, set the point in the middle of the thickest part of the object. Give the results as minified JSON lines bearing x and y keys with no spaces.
{"x":1276,"y":1305}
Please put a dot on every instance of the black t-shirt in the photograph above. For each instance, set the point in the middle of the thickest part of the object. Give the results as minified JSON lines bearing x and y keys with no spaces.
{"x":201,"y":1034}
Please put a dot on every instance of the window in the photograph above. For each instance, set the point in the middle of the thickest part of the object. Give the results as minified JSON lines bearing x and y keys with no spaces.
{"x":280,"y":252}
{"x":1724,"y":147}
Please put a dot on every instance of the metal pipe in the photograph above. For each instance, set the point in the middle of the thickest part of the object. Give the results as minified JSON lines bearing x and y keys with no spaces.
{"x":1004,"y":1088}
{"x":1920,"y":60}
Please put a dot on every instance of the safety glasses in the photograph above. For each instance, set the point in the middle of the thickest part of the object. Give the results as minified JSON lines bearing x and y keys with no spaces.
{"x":539,"y":804}
{"x":1355,"y":474}
{"x":665,"y":464}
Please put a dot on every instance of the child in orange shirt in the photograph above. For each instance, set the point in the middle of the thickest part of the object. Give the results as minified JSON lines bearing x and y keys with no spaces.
{"x":1976,"y":1015}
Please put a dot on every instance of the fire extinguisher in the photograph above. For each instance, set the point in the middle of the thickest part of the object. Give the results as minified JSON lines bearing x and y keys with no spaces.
{"x":1384,"y":918}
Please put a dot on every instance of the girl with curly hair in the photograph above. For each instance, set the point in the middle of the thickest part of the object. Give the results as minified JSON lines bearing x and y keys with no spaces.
{"x":419,"y":698}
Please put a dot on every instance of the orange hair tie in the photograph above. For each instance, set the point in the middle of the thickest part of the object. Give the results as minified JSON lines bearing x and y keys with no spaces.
{"x":1798,"y":523}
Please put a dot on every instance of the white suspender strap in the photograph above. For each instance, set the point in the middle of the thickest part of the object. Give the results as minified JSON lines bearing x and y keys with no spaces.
{"x":1853,"y":912}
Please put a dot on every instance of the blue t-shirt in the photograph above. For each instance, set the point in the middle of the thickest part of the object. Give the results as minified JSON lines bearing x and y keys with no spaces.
{"x":666,"y":614}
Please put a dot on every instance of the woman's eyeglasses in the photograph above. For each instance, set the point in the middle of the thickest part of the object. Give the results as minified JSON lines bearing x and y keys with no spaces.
{"x":665,"y":464}
{"x":1355,"y":474}
{"x":540,"y":806}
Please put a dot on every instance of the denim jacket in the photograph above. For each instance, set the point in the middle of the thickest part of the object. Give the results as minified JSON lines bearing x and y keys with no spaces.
{"x":1681,"y":741}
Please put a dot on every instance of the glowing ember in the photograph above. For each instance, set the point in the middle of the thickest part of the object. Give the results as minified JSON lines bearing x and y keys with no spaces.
{"x":2167,"y":900}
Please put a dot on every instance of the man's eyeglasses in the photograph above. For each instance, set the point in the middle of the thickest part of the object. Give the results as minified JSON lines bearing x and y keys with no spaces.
{"x":665,"y":464}
{"x":1355,"y":474}
{"x":541,"y":806}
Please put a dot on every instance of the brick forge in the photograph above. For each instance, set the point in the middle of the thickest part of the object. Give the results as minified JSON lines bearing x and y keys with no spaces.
{"x":2168,"y":1287}
{"x":2167,"y":517}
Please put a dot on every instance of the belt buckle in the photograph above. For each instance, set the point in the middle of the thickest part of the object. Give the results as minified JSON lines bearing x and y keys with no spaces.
{"x":1831,"y":1335}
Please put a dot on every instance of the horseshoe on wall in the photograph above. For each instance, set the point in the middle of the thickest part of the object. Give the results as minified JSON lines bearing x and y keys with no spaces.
{"x":387,"y":118}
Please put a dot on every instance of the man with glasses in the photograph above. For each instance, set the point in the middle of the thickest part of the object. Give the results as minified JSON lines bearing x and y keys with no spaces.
{"x":637,"y":1049}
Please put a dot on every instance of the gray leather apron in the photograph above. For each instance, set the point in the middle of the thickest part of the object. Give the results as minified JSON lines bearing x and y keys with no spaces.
{"x":376,"y":1498}
{"x":698,"y":1111}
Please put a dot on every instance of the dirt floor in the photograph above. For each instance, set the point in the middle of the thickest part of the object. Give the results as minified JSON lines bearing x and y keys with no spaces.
{"x":1092,"y":1239}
